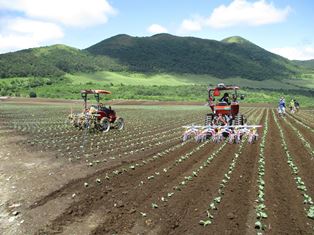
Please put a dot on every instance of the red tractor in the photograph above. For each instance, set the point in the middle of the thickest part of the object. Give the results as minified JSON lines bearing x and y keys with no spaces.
{"x":97,"y":116}
{"x":226,"y":109}
{"x":225,"y":122}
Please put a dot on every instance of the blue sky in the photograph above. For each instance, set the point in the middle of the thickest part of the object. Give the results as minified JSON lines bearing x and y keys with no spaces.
{"x":285,"y":27}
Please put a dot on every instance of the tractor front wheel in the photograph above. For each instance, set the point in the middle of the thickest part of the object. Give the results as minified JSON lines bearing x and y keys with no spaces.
{"x":104,"y":124}
{"x":119,"y":123}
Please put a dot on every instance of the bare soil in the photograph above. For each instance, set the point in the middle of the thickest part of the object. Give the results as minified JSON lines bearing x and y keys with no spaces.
{"x":42,"y":194}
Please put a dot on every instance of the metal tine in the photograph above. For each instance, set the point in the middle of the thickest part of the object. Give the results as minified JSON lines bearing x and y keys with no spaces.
{"x":223,"y":127}
{"x":201,"y":132}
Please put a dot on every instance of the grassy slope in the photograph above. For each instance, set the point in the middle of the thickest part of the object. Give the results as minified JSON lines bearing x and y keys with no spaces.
{"x":158,"y":87}
{"x":127,"y":78}
{"x":308,"y":64}
{"x":305,"y":82}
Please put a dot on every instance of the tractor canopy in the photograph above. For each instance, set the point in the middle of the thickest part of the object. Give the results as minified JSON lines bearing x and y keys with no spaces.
{"x":221,"y":87}
{"x":96,"y":93}
{"x":104,"y":92}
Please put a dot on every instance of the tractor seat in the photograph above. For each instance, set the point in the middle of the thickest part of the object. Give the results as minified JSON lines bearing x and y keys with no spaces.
{"x":222,"y":103}
{"x":106,"y":110}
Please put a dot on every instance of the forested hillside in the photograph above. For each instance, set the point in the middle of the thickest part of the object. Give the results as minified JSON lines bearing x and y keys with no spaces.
{"x":230,"y":57}
{"x":161,"y":53}
{"x":50,"y":61}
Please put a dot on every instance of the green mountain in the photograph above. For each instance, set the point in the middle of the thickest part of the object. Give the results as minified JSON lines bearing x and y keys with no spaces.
{"x":230,"y":57}
{"x":165,"y":53}
{"x":53,"y":60}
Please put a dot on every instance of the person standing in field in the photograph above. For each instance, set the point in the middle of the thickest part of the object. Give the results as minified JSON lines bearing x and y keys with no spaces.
{"x":292,"y":106}
{"x":282,"y":106}
{"x":297,"y":105}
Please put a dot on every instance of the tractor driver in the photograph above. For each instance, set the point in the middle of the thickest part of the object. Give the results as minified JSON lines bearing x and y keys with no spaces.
{"x":101,"y":106}
{"x":225,"y":98}
{"x":104,"y":108}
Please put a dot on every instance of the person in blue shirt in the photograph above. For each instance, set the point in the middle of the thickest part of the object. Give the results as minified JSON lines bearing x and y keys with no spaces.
{"x":282,"y":106}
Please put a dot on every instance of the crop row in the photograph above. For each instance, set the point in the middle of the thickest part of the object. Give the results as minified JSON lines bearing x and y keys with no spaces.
{"x":301,"y":137}
{"x":213,"y":205}
{"x":302,"y":124}
{"x":180,"y":159}
{"x":51,"y":134}
{"x":306,"y":116}
{"x":189,"y":178}
{"x":141,"y":163}
{"x":307,"y":199}
{"x":194,"y":173}
{"x":260,"y":208}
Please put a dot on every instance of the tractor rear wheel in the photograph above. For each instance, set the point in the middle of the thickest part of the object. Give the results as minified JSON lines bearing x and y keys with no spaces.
{"x":104,"y":124}
{"x":119,"y":123}
{"x":208,"y":119}
{"x":238,"y":120}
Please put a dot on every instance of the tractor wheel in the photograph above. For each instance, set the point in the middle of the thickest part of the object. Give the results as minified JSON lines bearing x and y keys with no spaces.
{"x":119,"y":123}
{"x":76,"y":123}
{"x":104,"y":124}
{"x":238,"y":120}
{"x":244,"y":120}
{"x":233,"y":122}
{"x":208,"y":119}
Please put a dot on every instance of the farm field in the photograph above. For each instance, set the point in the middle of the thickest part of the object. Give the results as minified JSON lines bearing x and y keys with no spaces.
{"x":56,"y":179}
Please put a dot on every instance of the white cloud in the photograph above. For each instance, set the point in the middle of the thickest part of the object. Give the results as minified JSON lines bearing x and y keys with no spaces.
{"x":295,"y":53}
{"x":68,"y":12}
{"x":43,"y":20}
{"x":192,"y":25}
{"x":242,"y":12}
{"x":238,"y":12}
{"x":20,"y":33}
{"x":156,"y":28}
